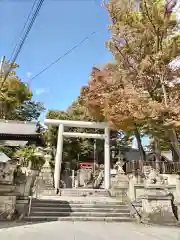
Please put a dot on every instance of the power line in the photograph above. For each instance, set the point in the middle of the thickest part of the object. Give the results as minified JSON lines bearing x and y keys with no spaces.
{"x":65,"y":54}
{"x":22,"y":40}
{"x":25,"y":24}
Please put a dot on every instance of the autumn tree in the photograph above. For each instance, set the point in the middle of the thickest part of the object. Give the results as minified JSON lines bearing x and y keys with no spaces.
{"x":16,"y":98}
{"x":16,"y":104}
{"x":146,"y":45}
{"x":107,"y":97}
{"x":141,"y":88}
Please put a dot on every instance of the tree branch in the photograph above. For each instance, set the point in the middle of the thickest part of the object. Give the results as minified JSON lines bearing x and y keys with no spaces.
{"x":150,"y":20}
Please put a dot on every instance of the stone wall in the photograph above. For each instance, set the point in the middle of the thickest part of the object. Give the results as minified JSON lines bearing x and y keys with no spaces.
{"x":7,"y":207}
{"x":24,"y":187}
{"x":156,"y":202}
{"x":157,"y":208}
{"x":137,"y":186}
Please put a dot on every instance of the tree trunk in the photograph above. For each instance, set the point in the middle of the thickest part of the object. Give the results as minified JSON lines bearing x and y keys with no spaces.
{"x":171,"y":132}
{"x":175,"y":145}
{"x":157,"y":149}
{"x":175,"y":157}
{"x":139,"y":143}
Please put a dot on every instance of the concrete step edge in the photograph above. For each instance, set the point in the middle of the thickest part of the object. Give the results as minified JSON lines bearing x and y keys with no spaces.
{"x":79,"y":213}
{"x":79,"y":202}
{"x":74,"y":218}
{"x":79,"y":208}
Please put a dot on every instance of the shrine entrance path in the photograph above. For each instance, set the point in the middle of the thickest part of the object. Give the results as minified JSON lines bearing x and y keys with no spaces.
{"x":89,"y":231}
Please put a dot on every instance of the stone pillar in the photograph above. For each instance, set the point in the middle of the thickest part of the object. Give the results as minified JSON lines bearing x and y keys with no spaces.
{"x":73,"y":179}
{"x":178,"y":188}
{"x":131,"y":190}
{"x":58,"y":158}
{"x":107,"y":158}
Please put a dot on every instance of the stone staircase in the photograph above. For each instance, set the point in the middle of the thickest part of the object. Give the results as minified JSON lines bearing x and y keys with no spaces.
{"x":79,"y":209}
{"x":74,"y":192}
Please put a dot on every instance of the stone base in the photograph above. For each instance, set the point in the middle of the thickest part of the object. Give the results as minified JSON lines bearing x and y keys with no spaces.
{"x":7,"y":207}
{"x":120,"y":181}
{"x":6,"y":188}
{"x":157,"y":208}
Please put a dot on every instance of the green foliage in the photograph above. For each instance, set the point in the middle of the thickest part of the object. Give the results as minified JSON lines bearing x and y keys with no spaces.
{"x":28,"y":157}
{"x":9,"y":151}
{"x":74,"y":148}
{"x":15,"y":99}
{"x":27,"y":111}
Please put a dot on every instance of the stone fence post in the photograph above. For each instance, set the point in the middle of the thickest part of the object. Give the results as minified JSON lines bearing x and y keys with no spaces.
{"x":178,"y":188}
{"x":131,"y":190}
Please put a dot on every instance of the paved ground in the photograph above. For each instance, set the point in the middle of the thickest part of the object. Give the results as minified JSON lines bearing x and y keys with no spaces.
{"x":89,"y":231}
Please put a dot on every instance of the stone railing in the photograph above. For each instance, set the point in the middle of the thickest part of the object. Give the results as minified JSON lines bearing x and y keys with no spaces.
{"x":164,"y":167}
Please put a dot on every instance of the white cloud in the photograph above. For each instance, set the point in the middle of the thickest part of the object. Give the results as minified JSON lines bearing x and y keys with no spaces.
{"x":40,"y":91}
{"x":29,"y":74}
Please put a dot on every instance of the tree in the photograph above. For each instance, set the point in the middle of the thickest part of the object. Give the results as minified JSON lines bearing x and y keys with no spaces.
{"x":141,"y":89}
{"x":16,"y":104}
{"x":73,"y":148}
{"x":147,"y":45}
{"x":28,"y":157}
{"x":78,"y":148}
{"x":12,"y":90}
{"x":16,"y":98}
{"x":9,"y":151}
{"x":106,"y":97}
{"x":27,"y":111}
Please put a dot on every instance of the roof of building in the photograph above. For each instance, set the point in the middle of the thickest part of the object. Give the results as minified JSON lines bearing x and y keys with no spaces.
{"x":18,"y":133}
{"x":18,"y":128}
{"x":4,"y":158}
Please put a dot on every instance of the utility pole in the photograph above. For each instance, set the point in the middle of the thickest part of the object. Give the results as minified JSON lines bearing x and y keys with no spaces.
{"x":1,"y":64}
{"x":2,"y":107}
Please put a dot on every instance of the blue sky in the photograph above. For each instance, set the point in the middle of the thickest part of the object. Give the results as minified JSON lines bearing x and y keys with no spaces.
{"x":60,"y":25}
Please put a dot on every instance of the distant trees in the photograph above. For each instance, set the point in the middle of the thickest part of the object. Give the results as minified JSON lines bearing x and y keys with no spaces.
{"x":74,"y":149}
{"x":78,"y":149}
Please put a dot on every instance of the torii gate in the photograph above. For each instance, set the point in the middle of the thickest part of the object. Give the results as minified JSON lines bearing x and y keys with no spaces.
{"x":81,"y":124}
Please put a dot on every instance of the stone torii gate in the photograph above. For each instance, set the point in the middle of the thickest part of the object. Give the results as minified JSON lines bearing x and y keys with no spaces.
{"x":81,"y":124}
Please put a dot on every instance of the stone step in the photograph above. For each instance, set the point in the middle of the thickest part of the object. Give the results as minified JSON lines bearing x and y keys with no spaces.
{"x":69,"y":193}
{"x":23,"y":201}
{"x":75,"y":192}
{"x":59,"y":199}
{"x":74,"y":218}
{"x":22,"y":198}
{"x":79,"y":214}
{"x":79,"y":209}
{"x":76,"y":205}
